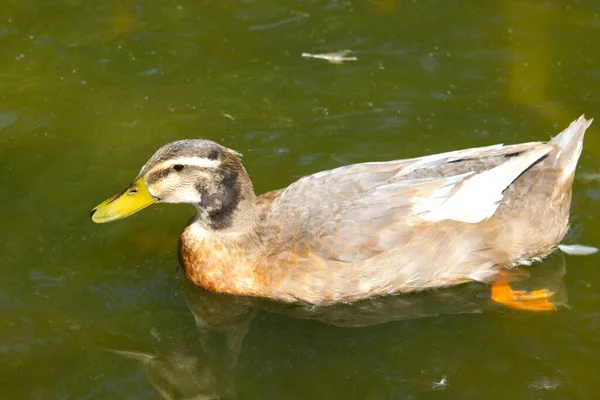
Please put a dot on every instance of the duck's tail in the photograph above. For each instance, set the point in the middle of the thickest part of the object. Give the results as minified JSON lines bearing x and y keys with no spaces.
{"x":570,"y":144}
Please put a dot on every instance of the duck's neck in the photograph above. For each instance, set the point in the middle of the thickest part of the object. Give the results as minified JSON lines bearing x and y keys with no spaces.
{"x":217,"y":251}
{"x":226,"y":221}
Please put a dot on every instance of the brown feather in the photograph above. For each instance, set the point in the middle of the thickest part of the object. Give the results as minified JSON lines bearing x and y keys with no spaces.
{"x":360,"y":230}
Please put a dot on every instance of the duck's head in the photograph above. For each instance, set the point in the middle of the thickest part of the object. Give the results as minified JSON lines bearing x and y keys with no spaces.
{"x":196,"y":171}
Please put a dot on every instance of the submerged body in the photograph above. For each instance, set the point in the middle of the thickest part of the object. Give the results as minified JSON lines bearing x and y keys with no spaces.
{"x":365,"y":229}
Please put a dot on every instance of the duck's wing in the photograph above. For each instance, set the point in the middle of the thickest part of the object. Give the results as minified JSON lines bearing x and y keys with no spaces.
{"x":353,"y":213}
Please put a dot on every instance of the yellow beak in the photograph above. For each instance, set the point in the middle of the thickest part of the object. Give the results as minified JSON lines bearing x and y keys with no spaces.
{"x":122,"y":205}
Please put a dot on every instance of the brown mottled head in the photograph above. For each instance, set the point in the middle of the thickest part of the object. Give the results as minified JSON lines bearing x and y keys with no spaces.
{"x":198,"y":172}
{"x":202,"y":173}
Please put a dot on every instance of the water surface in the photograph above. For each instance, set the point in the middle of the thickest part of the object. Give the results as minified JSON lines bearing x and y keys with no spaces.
{"x":89,"y":89}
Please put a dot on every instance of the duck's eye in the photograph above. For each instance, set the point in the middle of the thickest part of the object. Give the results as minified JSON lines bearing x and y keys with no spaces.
{"x":177,"y":167}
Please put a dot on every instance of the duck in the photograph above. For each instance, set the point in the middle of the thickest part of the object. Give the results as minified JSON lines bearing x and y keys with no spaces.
{"x":368,"y":229}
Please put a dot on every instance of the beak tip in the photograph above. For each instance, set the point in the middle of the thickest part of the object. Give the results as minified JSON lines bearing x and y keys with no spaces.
{"x":123,"y":204}
{"x":94,"y":217}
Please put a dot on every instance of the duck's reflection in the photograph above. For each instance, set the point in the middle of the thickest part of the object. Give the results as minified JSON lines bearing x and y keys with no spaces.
{"x":204,"y":367}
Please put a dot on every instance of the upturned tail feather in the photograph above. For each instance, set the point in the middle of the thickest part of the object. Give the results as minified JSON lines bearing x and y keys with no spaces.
{"x":570,"y":144}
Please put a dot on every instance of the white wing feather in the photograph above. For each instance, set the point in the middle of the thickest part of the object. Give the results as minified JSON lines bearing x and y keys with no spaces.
{"x":479,"y":195}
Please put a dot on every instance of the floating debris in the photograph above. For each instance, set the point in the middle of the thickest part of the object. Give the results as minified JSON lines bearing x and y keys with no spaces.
{"x":337,"y":57}
{"x":228,"y":116}
{"x":544,"y":384}
{"x":577,"y":249}
{"x":441,"y":385}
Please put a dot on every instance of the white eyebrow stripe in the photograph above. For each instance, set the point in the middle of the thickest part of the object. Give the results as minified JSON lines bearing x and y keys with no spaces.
{"x":189,"y":161}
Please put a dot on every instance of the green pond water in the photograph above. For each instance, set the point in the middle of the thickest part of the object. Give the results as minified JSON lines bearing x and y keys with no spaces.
{"x":90,"y":89}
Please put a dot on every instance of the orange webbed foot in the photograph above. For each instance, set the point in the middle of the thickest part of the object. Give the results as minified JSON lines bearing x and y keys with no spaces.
{"x":537,"y":300}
